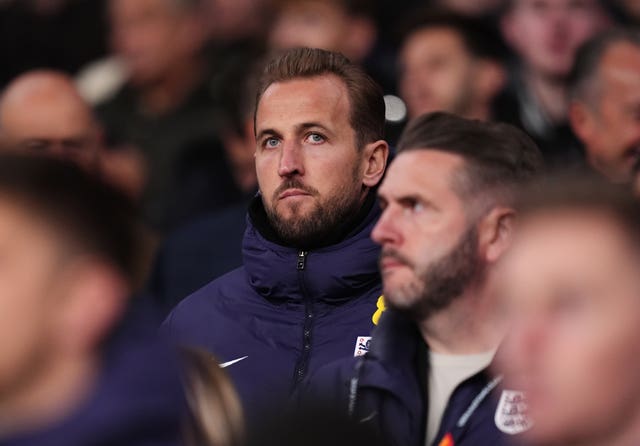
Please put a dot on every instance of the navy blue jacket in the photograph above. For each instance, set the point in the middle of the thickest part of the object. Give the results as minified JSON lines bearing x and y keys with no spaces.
{"x":285,"y":312}
{"x":387,"y":389}
{"x":137,"y":400}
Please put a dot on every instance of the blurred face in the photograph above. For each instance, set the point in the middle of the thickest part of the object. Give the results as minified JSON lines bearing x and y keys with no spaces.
{"x":436,"y":72}
{"x":547,"y":33}
{"x":310,"y":172}
{"x":573,"y":287}
{"x":152,"y":37}
{"x":429,"y":249}
{"x":55,"y":123}
{"x":611,"y":131}
{"x":313,"y":24}
{"x":28,"y":297}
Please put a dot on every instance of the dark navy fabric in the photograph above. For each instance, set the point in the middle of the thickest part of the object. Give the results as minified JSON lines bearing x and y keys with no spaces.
{"x":197,"y":253}
{"x":386,"y":388}
{"x":137,"y":400}
{"x":287,"y":314}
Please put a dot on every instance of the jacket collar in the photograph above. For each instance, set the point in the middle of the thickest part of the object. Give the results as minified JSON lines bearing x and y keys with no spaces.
{"x":333,"y":274}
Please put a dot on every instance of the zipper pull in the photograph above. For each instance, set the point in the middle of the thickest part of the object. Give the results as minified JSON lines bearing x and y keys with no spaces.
{"x":302,"y":260}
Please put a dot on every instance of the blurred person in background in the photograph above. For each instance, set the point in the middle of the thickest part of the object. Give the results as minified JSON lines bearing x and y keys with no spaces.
{"x":605,"y":102}
{"x":545,"y":35}
{"x":166,"y":108}
{"x":426,"y":379}
{"x":572,"y":291}
{"x":345,"y":26}
{"x":41,"y":111}
{"x":449,"y":63}
{"x":215,"y":413}
{"x":309,"y":285}
{"x":80,"y":363}
{"x":471,"y":8}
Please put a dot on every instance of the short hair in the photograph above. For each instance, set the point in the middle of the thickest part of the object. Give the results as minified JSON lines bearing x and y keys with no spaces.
{"x":88,"y":216}
{"x":366,"y":103}
{"x":479,"y":39}
{"x":499,"y":158}
{"x":582,"y":190}
{"x":589,"y":56}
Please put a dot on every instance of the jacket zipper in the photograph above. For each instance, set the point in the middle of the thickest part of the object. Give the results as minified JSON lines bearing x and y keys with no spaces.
{"x":303,"y":362}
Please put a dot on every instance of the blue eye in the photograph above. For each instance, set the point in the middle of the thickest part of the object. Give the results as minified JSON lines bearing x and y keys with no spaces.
{"x":271,"y":143}
{"x":315,"y":138}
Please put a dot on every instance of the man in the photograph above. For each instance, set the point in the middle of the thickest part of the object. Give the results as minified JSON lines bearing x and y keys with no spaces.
{"x":571,"y":284}
{"x":545,"y":35}
{"x":345,"y":26}
{"x":166,"y":109}
{"x":449,"y":63}
{"x":309,"y":285}
{"x":605,"y":102}
{"x":447,"y":220}
{"x":41,"y":111}
{"x":80,"y":364}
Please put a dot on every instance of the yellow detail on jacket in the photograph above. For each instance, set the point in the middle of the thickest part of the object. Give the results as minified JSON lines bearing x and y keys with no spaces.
{"x":379,"y":311}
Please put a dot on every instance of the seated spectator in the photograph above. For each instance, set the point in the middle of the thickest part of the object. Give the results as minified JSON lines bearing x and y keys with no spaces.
{"x":166,"y":105}
{"x":545,"y":35}
{"x":309,"y":281}
{"x":571,"y":288}
{"x":344,"y":26}
{"x":42,"y":112}
{"x":605,"y":102}
{"x":443,"y":236}
{"x":450,"y":63}
{"x":80,"y":363}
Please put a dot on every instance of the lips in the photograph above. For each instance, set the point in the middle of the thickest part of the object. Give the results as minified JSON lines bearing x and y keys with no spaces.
{"x":292,"y":193}
{"x":390,"y":262}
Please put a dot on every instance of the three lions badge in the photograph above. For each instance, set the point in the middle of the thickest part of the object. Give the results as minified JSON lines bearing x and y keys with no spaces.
{"x":511,"y":414}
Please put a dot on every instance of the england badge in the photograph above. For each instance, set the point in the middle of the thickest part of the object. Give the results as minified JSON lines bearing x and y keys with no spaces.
{"x":511,"y":415}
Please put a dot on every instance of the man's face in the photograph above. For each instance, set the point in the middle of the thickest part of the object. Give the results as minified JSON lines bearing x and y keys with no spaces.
{"x":150,"y":37}
{"x":310,"y":172}
{"x":612,"y":130}
{"x":310,"y":23}
{"x":547,"y":33}
{"x":53,"y":123}
{"x":436,"y":72}
{"x":28,"y":296}
{"x":429,"y":249}
{"x":571,"y":282}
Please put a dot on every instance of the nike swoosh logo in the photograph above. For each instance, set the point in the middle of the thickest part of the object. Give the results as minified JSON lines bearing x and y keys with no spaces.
{"x":227,"y":364}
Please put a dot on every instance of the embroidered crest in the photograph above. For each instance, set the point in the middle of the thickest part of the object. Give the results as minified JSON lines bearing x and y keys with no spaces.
{"x":511,"y":414}
{"x":362,"y":345}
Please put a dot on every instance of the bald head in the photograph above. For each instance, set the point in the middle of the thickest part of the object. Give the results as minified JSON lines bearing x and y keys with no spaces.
{"x":42,"y":111}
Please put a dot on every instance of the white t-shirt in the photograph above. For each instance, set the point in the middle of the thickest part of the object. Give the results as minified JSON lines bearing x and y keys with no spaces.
{"x":445,"y":373}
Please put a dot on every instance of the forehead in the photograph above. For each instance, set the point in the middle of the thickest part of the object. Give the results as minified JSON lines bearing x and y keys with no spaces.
{"x":571,"y":244}
{"x":622,"y":62}
{"x":440,"y":38}
{"x":422,"y":172}
{"x":321,"y":99}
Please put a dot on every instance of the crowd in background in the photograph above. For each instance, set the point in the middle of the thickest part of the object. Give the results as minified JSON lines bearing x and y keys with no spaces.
{"x":157,"y":98}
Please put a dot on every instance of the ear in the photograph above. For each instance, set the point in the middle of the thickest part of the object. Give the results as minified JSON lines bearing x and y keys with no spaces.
{"x":582,"y":120}
{"x":374,"y":159}
{"x":94,"y":299}
{"x":495,"y":232}
{"x":490,"y":78}
{"x":360,"y":38}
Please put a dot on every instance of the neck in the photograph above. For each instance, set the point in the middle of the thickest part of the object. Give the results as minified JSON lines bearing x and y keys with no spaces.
{"x":625,"y":433}
{"x":471,"y":324}
{"x":550,"y":92}
{"x":170,"y":90}
{"x":481,"y":112}
{"x":48,"y":397}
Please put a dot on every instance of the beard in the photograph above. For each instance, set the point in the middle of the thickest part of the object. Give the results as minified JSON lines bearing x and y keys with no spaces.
{"x":310,"y":229}
{"x":437,"y":285}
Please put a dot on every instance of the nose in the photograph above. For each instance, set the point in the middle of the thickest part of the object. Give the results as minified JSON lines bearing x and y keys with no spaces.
{"x":291,"y":160}
{"x":386,"y":232}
